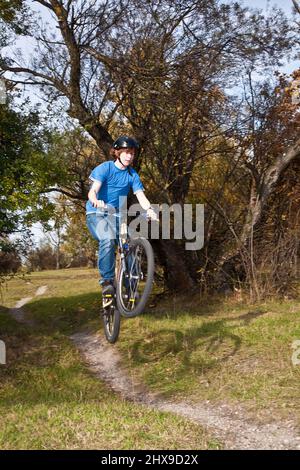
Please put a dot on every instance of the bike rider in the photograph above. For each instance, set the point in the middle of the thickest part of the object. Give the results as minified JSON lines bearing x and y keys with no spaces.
{"x":110,"y":181}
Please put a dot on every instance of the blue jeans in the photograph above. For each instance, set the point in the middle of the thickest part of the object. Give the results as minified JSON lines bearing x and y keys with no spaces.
{"x":105,"y":229}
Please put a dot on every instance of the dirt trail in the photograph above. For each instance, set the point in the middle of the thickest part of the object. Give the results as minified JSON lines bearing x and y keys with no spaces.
{"x":18,"y":313}
{"x":231,"y":426}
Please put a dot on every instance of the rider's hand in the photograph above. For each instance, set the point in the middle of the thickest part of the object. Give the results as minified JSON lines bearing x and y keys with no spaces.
{"x":151,"y":214}
{"x":99,"y":204}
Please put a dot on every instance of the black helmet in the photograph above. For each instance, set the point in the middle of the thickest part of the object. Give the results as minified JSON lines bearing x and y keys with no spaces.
{"x":125,"y":142}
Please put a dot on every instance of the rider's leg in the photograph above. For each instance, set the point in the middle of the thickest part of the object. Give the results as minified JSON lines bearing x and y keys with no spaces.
{"x":105,"y":230}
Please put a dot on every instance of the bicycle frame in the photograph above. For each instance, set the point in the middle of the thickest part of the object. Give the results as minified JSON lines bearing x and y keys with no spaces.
{"x":109,"y":210}
{"x":130,"y":295}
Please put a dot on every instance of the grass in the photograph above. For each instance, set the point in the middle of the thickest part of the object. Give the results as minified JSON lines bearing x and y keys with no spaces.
{"x":218,"y":351}
{"x":48,"y":398}
{"x":221,"y":350}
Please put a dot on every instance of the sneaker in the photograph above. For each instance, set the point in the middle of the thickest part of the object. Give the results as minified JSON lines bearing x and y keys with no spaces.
{"x":108,"y":292}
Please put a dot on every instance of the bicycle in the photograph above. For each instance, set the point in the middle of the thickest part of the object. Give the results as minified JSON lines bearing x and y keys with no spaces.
{"x":133,"y":279}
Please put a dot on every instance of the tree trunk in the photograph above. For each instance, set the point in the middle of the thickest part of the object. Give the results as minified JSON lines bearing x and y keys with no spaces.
{"x":176,"y":274}
{"x":57,"y":257}
{"x":233,"y":263}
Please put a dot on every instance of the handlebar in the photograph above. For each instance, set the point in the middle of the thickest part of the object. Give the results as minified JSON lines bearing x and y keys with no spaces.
{"x":108,"y":209}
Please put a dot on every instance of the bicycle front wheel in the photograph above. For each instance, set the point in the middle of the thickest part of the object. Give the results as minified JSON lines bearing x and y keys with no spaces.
{"x":111,"y":323}
{"x":134,"y":284}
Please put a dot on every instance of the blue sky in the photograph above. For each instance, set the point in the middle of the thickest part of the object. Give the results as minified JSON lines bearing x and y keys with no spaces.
{"x":285,"y":5}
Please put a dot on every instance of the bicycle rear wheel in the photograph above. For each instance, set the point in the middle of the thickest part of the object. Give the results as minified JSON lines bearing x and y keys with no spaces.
{"x":135,"y":283}
{"x":111,"y":323}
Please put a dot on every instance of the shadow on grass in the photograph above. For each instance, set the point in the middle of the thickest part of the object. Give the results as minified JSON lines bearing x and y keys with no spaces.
{"x":199,"y":348}
{"x":41,"y":366}
{"x":249,"y":316}
{"x":68,"y":314}
{"x":196,"y":306}
{"x":64,"y":315}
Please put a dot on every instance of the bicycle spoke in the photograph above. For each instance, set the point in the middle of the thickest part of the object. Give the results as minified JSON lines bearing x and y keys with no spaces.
{"x":135,"y":278}
{"x":134,"y":289}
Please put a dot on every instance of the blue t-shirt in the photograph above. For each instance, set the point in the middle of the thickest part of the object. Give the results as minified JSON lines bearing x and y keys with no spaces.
{"x":115,"y":183}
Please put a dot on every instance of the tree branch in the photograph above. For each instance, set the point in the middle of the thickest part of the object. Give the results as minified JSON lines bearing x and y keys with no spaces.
{"x":54,"y":82}
{"x":297,"y":7}
{"x":275,"y":170}
{"x":66,"y":193}
{"x":45,"y":4}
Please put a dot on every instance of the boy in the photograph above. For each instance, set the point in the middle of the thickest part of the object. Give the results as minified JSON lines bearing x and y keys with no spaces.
{"x":110,"y":181}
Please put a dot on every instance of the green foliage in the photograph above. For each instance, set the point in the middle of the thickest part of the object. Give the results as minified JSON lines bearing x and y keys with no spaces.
{"x":10,"y":260}
{"x":79,"y":248}
{"x":71,"y":156}
{"x":21,"y":146}
{"x":14,"y":16}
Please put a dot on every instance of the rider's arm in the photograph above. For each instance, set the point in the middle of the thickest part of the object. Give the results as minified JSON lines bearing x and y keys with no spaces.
{"x":92,"y":195}
{"x":145,"y":204}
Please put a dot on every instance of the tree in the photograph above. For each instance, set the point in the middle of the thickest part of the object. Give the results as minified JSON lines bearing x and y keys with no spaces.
{"x":21,"y":146}
{"x":67,"y":164}
{"x":41,"y":258}
{"x":167,"y":79}
{"x":276,"y":248}
{"x":55,"y":236}
{"x":69,"y":236}
{"x":13,"y":18}
{"x":267,"y":146}
{"x":79,"y":248}
{"x":10,"y":260}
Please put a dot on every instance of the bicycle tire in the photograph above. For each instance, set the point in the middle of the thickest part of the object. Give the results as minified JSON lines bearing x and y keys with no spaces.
{"x":133,"y":312}
{"x":111,"y":324}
